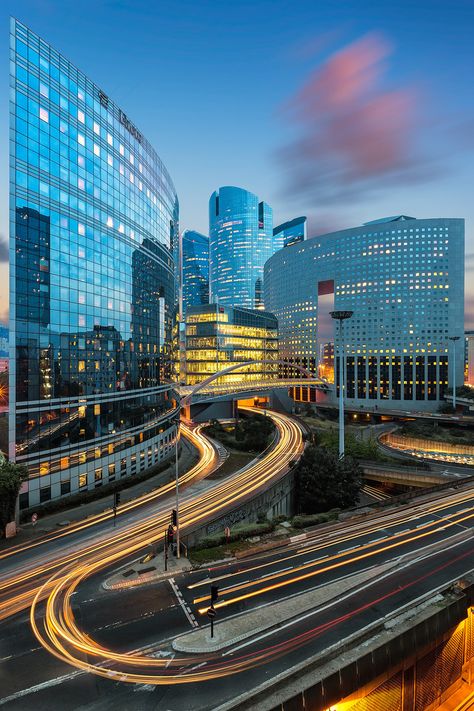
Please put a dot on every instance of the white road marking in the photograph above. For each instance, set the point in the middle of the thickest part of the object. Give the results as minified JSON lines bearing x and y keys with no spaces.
{"x":39,"y":687}
{"x":191,"y":619}
{"x":282,"y":570}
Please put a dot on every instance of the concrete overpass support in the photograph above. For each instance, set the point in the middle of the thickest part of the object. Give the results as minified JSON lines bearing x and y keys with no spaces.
{"x":414,"y":662}
{"x":209,"y":410}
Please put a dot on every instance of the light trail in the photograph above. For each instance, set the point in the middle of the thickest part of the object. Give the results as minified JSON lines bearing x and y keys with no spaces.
{"x":17,"y":591}
{"x":194,"y":510}
{"x":312,"y":569}
{"x":360,"y":529}
{"x":207,"y":458}
{"x":60,"y":631}
{"x":56,"y":628}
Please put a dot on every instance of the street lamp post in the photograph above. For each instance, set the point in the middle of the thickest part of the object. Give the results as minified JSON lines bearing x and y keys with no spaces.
{"x":454,"y":339}
{"x":178,"y":554}
{"x":341,"y":316}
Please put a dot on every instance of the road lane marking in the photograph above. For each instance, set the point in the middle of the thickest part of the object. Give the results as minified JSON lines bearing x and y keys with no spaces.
{"x":350,"y":593}
{"x":187,"y":611}
{"x":39,"y":687}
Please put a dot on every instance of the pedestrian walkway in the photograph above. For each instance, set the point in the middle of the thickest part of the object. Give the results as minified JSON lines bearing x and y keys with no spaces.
{"x":149,"y":568}
{"x":54,"y":521}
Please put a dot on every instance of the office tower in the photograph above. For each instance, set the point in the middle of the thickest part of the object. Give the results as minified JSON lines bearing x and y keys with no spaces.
{"x":404,"y":280}
{"x":93,"y":239}
{"x":469,"y":358}
{"x":240,"y":242}
{"x":219,"y":336}
{"x":195,"y":268}
{"x":289,"y":233}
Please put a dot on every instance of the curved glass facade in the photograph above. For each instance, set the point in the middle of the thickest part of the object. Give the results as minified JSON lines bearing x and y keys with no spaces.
{"x":240,"y":242}
{"x":93,"y":234}
{"x":404,"y":280}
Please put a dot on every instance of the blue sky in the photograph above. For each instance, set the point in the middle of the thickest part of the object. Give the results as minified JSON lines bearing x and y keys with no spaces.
{"x":213,"y":86}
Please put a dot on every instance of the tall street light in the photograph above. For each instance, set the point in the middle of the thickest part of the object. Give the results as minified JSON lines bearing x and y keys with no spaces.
{"x":178,"y":555}
{"x":454,"y":339}
{"x":341,"y":316}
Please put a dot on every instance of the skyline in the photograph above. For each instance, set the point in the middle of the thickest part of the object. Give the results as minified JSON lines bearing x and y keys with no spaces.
{"x":310,"y":71}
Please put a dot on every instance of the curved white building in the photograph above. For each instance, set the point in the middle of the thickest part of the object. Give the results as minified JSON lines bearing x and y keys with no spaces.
{"x":404,"y":280}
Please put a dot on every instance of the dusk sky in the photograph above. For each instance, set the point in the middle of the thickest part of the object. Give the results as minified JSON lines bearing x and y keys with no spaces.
{"x":344,"y":111}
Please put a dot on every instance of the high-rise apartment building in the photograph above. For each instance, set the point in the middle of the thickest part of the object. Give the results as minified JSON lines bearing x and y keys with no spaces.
{"x":93,"y":297}
{"x":403,"y":279}
{"x":289,"y":233}
{"x":195,"y":268}
{"x":220,"y":336}
{"x":240,"y":242}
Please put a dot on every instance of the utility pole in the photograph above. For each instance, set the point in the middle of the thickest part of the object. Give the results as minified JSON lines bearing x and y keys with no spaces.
{"x":341,"y":316}
{"x":454,"y":339}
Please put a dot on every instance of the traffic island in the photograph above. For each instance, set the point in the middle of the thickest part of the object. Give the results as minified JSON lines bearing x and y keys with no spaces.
{"x":248,"y":624}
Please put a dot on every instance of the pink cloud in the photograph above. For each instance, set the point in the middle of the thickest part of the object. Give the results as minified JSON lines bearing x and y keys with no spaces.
{"x":352,"y":135}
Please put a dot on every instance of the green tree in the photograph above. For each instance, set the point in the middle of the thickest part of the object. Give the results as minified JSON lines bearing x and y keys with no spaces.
{"x":11,"y":478}
{"x":323,"y":482}
{"x":253,"y":432}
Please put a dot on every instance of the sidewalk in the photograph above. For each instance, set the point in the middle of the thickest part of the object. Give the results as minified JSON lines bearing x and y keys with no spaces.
{"x":54,"y":521}
{"x":139,"y":573}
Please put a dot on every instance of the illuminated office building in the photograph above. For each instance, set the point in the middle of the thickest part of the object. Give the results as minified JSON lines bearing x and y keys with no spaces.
{"x":93,"y":239}
{"x":218,"y":336}
{"x":469,"y":358}
{"x":195,"y":268}
{"x":403,"y":279}
{"x":289,"y":233}
{"x":240,"y":242}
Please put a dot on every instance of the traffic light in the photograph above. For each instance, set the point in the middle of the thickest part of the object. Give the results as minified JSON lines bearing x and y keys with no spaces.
{"x":116,"y":498}
{"x":214,"y":593}
{"x":174,"y":517}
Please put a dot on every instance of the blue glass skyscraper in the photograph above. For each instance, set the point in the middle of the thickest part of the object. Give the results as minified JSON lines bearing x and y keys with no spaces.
{"x":195,"y":268}
{"x":240,"y":242}
{"x":93,"y":296}
{"x":289,"y":233}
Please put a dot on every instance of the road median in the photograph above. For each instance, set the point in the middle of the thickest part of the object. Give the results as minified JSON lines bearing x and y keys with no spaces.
{"x":242,"y":627}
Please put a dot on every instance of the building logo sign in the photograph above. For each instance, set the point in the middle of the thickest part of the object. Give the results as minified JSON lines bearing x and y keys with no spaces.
{"x":129,"y":126}
{"x":104,"y":99}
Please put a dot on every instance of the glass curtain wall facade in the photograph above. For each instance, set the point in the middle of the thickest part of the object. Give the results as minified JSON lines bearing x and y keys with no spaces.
{"x":404,"y":280}
{"x":240,"y":242}
{"x":93,"y":295}
{"x":195,"y":268}
{"x":218,"y":336}
{"x":289,"y":233}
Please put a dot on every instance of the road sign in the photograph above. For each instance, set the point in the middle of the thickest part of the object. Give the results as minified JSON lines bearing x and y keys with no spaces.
{"x":211,"y":613}
{"x":34,"y":519}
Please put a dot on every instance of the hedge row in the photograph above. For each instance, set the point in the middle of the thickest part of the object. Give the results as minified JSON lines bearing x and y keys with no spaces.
{"x":237,"y":534}
{"x":304,"y":520}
